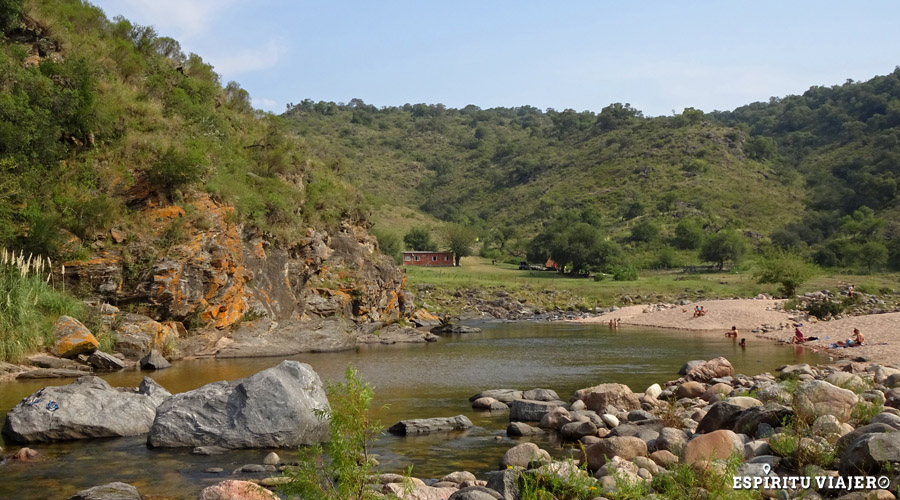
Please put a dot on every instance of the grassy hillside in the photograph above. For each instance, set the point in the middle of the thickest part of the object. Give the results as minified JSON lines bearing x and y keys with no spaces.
{"x":100,"y":118}
{"x":815,"y":174}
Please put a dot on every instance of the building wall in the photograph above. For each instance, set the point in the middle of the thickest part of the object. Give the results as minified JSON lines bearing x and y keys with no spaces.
{"x":429,"y":259}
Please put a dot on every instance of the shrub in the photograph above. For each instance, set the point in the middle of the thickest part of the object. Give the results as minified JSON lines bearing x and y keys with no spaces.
{"x":340,"y":470}
{"x":786,"y":269}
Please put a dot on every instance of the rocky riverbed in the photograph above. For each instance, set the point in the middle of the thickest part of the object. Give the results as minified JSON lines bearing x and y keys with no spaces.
{"x":833,"y":421}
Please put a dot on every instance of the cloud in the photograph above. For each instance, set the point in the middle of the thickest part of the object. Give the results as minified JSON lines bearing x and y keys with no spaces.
{"x":180,"y":19}
{"x":247,"y":60}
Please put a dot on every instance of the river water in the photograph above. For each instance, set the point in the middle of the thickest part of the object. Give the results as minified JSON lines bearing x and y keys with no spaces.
{"x":415,"y":381}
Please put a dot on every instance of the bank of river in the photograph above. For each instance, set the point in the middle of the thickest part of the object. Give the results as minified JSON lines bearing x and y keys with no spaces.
{"x":416,"y":381}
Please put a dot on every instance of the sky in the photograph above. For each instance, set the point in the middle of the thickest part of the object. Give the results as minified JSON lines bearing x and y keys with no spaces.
{"x":659,"y":56}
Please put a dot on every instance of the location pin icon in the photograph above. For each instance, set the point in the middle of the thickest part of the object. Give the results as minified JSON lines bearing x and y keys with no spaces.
{"x":766,"y":469}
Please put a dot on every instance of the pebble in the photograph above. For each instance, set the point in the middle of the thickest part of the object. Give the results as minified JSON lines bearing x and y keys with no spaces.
{"x":272,"y":459}
{"x":214,"y":470}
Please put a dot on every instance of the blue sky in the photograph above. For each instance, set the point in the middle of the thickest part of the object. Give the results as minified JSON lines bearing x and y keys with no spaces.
{"x":659,"y":56}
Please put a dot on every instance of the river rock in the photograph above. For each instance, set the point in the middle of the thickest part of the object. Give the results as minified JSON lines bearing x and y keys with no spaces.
{"x":236,"y":490}
{"x":489,"y":404}
{"x":154,"y":360}
{"x":624,"y":447}
{"x":773,"y":414}
{"x":886,"y":418}
{"x":555,"y":418}
{"x":41,"y":373}
{"x":826,"y":425}
{"x":714,"y":368}
{"x":503,"y":395}
{"x":717,"y":445}
{"x":103,"y":361}
{"x":793,"y":371}
{"x":541,"y":395}
{"x":110,"y":491}
{"x":506,"y":483}
{"x":722,"y":415}
{"x":523,"y":410}
{"x":619,"y":396}
{"x":137,"y":334}
{"x":46,"y":361}
{"x":454,"y":329}
{"x":519,"y":429}
{"x":847,"y":381}
{"x":653,"y":391}
{"x":817,"y":397}
{"x":272,"y":459}
{"x":870,"y":453}
{"x":475,"y":493}
{"x":716,"y":391}
{"x":671,"y":439}
{"x":573,"y":431}
{"x":690,"y":365}
{"x":690,"y":390}
{"x":73,"y":338}
{"x":523,"y":454}
{"x":86,"y":408}
{"x":274,"y":408}
{"x":663,"y":458}
{"x":428,"y":425}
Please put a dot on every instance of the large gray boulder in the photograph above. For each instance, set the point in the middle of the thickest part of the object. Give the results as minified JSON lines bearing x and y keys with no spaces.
{"x":274,"y":408}
{"x":870,"y":453}
{"x":110,"y":491}
{"x":86,"y":408}
{"x":428,"y":425}
{"x":597,"y":398}
{"x":815,"y":398}
{"x":523,"y":410}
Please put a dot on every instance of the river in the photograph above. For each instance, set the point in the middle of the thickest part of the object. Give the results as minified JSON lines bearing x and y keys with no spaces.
{"x":415,"y":381}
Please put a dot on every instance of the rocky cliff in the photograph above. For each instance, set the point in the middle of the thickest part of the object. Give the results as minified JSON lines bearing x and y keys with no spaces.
{"x":193,"y":264}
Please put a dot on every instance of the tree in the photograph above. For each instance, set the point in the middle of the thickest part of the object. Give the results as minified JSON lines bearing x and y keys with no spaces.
{"x":873,"y":254}
{"x":576,"y":245}
{"x":784,"y":268}
{"x":645,"y":231}
{"x":388,"y":243}
{"x":722,"y":247}
{"x":460,"y":239}
{"x":688,"y":235}
{"x":419,"y":238}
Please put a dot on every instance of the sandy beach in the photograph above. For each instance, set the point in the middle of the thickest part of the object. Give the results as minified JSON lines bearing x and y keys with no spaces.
{"x":882,"y":331}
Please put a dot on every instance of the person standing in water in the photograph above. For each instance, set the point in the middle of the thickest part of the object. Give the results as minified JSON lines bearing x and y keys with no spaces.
{"x":733,"y":333}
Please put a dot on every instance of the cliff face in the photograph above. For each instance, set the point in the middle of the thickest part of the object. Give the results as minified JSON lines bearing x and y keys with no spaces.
{"x":194,"y":264}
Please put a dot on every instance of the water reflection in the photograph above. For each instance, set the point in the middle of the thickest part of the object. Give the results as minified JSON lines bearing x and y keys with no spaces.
{"x":416,"y":381}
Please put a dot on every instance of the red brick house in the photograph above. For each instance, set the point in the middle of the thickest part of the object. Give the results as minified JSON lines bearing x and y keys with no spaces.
{"x":430,"y":259}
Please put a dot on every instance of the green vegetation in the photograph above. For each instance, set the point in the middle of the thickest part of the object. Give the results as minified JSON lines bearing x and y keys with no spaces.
{"x":29,"y":305}
{"x":342,"y":469}
{"x":419,"y":238}
{"x":100,"y":117}
{"x":786,"y":269}
{"x":815,"y":175}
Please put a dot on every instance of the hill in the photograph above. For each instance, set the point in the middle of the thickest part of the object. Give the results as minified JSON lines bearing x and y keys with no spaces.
{"x":162,"y":191}
{"x":799,"y":169}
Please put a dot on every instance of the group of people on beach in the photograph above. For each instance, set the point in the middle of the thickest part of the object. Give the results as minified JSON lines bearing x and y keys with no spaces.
{"x":699,"y":311}
{"x":857,"y":339}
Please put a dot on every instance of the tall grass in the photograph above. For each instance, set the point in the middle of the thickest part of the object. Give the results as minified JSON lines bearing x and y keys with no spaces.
{"x":29,"y":305}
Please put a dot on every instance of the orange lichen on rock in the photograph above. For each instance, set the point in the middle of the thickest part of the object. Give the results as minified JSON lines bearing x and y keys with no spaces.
{"x":165,"y":213}
{"x":73,"y":338}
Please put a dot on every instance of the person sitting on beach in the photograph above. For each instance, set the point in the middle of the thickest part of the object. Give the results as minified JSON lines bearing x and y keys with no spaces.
{"x":858,"y":337}
{"x":702,"y":311}
{"x":856,"y":340}
{"x":697,"y":311}
{"x":798,"y":337}
{"x":733,"y":333}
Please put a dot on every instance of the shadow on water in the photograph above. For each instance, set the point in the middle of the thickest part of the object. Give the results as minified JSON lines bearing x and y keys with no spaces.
{"x":415,"y":381}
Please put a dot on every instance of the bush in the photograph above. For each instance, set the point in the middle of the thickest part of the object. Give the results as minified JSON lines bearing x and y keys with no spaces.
{"x":787,"y":269}
{"x":625,"y":274}
{"x":341,"y":470}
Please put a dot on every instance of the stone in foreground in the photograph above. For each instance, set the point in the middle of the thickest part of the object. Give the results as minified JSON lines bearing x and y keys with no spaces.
{"x":110,"y":491}
{"x":236,"y":490}
{"x":274,"y":408}
{"x":428,"y":425}
{"x":86,"y":408}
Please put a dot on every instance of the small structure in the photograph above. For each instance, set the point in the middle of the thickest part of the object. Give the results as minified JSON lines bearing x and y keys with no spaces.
{"x":551,"y":265}
{"x":431,"y":259}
